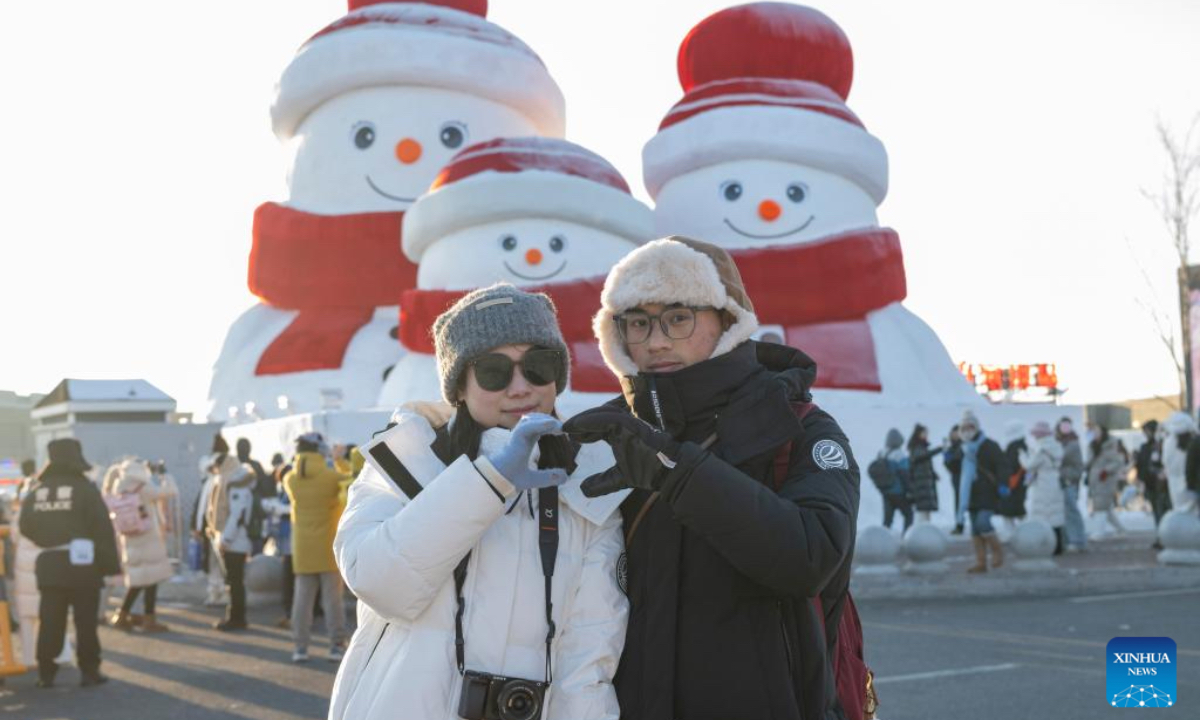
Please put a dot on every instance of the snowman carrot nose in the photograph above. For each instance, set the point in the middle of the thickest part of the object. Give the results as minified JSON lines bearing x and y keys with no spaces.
{"x":408,"y":151}
{"x":533,"y":256}
{"x":769,"y":210}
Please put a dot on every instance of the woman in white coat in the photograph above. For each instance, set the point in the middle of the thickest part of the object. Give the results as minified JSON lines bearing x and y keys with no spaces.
{"x":1181,"y":429}
{"x":443,"y":536}
{"x":1106,"y":468}
{"x":1042,"y":460}
{"x":25,"y":589}
{"x":143,"y":554}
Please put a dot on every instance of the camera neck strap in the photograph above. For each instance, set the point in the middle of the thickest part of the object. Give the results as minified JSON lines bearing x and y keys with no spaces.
{"x":547,"y":517}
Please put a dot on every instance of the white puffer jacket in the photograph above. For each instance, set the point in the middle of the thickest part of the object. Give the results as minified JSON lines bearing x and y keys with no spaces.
{"x":398,"y":556}
{"x":143,"y":556}
{"x":1042,"y":463}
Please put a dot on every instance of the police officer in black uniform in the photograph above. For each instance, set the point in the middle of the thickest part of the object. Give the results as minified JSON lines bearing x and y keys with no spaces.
{"x":65,"y":515}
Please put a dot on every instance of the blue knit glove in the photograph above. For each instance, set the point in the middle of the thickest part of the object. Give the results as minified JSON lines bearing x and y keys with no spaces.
{"x":512,"y":460}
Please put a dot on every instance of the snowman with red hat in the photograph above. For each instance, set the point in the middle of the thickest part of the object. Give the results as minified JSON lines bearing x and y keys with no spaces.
{"x":540,"y":213}
{"x":764,"y":157}
{"x":374,"y":106}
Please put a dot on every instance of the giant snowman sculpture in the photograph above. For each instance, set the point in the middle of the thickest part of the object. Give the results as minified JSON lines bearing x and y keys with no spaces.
{"x":763,"y":156}
{"x":543,"y":214}
{"x":373,"y":105}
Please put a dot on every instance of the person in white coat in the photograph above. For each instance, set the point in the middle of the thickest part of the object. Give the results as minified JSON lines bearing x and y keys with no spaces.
{"x":143,"y":553}
{"x":227,"y":521}
{"x":1042,"y":460}
{"x":1181,"y":429}
{"x":443,"y":535}
{"x":25,"y":589}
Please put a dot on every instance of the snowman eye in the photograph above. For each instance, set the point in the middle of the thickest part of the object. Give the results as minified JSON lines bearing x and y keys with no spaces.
{"x":508,"y":242}
{"x":364,"y":135}
{"x":453,"y":134}
{"x":796,"y":192}
{"x":557,"y":243}
{"x":731,"y":189}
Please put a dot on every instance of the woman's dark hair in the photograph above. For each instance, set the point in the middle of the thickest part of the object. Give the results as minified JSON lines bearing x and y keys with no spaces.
{"x":1184,"y":439}
{"x":1101,"y":438}
{"x":219,"y":446}
{"x":28,"y":468}
{"x":243,"y":450}
{"x":915,"y":440}
{"x":276,"y":460}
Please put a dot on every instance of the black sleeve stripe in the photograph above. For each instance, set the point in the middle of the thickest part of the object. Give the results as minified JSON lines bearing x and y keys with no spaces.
{"x":395,"y":470}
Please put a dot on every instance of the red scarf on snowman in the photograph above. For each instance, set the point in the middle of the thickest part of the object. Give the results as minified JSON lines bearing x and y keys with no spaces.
{"x":334,"y":269}
{"x":819,"y":293}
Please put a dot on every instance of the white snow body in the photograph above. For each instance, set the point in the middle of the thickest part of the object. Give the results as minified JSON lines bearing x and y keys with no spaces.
{"x":727,"y":203}
{"x":526,"y":252}
{"x":335,"y":171}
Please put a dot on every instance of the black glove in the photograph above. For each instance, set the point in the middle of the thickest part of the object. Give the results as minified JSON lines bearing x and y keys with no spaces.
{"x":644,"y":455}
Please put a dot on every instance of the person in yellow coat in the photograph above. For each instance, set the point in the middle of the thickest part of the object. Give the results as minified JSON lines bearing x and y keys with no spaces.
{"x":313,"y":487}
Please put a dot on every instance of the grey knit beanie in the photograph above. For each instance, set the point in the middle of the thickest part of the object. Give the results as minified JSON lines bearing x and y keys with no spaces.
{"x":488,"y":318}
{"x":894,"y":439}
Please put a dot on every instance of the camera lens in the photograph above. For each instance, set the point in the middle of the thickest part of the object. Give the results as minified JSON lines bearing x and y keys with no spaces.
{"x":519,"y":701}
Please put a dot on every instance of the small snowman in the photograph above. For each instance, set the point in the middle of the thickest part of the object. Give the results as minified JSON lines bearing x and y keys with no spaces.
{"x":763,"y":156}
{"x":373,"y":106}
{"x":540,"y":213}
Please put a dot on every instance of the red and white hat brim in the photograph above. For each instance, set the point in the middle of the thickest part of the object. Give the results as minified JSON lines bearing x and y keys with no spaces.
{"x":387,"y":44}
{"x":496,"y":196}
{"x":750,"y":131}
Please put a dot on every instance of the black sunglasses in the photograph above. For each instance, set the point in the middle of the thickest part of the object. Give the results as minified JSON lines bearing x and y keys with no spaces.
{"x":494,"y":372}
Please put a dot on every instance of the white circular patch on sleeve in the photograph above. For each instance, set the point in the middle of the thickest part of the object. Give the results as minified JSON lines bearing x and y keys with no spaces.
{"x":828,"y":455}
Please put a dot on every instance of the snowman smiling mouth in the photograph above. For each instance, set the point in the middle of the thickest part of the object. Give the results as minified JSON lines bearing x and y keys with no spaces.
{"x":535,"y":277}
{"x":389,"y":196}
{"x":739,"y":231}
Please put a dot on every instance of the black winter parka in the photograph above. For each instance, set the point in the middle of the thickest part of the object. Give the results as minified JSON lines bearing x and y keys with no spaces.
{"x":64,"y":506}
{"x":737,"y":589}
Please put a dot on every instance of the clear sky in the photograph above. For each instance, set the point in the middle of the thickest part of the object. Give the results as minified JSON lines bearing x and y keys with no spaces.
{"x":135,"y":145}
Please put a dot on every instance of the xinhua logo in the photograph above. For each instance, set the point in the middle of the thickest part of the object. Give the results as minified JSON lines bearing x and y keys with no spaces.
{"x":1141,"y":672}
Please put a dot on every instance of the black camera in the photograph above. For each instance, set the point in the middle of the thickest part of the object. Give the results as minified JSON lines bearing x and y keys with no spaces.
{"x":494,"y":697}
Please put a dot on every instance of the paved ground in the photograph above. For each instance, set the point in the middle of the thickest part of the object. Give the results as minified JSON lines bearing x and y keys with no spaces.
{"x":192,"y":673}
{"x":1032,"y":658}
{"x":1008,"y":645}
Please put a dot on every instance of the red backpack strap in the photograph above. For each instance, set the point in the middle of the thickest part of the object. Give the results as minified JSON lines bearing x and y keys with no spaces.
{"x":783,"y":455}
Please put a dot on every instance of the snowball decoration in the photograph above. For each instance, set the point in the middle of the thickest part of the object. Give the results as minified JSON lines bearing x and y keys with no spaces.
{"x":1033,"y":546}
{"x":763,"y":156}
{"x":373,"y":106}
{"x":539,"y":213}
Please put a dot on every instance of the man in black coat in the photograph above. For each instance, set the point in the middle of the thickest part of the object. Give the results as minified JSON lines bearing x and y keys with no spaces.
{"x":1152,"y":475}
{"x":985,"y":467}
{"x":65,"y":515}
{"x":741,"y":520}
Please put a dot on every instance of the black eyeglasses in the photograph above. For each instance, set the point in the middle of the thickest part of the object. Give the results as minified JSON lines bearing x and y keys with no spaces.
{"x":494,"y":372}
{"x":677,"y":323}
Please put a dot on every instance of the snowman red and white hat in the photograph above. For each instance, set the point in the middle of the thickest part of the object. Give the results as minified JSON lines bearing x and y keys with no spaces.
{"x":766,"y":81}
{"x":527,"y":177}
{"x":436,"y":43}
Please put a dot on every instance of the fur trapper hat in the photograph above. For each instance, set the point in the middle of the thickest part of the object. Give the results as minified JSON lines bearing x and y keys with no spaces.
{"x":672,"y":270}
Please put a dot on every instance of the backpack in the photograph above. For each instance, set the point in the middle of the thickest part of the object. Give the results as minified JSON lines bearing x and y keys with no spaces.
{"x":880,"y":472}
{"x":258,"y":518}
{"x":125,"y":510}
{"x":855,"y":680}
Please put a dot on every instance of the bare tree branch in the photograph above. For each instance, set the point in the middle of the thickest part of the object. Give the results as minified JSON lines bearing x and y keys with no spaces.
{"x":1177,"y":203}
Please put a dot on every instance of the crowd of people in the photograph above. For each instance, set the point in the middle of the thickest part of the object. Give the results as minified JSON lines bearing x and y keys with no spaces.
{"x":1038,"y":473}
{"x":115,"y":529}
